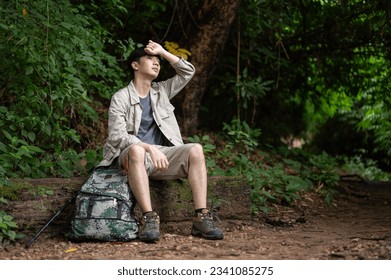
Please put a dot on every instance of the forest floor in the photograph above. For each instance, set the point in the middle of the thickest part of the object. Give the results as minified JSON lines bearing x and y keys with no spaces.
{"x":356,"y":226}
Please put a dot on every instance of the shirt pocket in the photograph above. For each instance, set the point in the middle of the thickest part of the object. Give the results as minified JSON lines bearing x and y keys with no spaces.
{"x":165,"y":110}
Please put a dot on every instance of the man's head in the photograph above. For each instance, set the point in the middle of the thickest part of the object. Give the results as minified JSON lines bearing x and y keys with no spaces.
{"x":136,"y":54}
{"x":141,"y":60}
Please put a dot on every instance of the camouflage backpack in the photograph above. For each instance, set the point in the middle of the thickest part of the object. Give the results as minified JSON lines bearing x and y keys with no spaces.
{"x":105,"y":208}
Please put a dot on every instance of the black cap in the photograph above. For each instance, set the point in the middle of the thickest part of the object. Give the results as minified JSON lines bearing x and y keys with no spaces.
{"x":137,"y":53}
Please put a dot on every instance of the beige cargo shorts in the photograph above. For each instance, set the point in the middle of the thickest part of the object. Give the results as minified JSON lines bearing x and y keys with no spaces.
{"x":178,"y":159}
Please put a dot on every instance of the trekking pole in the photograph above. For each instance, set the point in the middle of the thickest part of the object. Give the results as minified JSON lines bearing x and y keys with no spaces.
{"x":28,"y":244}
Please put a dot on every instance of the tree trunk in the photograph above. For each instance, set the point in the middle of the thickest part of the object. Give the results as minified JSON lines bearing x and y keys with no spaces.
{"x":214,"y":21}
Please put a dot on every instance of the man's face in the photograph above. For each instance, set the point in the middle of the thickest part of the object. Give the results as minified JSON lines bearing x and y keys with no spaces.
{"x":149,"y":65}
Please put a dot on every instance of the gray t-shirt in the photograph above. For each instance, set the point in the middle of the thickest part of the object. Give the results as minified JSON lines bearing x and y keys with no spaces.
{"x":149,"y":131}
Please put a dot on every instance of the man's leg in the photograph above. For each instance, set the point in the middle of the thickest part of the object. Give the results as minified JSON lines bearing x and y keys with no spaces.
{"x":203,"y":224}
{"x":139,"y":184}
{"x":198,"y":176}
{"x":188,"y":161}
{"x":138,"y":177}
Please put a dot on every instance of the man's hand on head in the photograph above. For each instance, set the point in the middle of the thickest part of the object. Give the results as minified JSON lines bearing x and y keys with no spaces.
{"x":154,"y":48}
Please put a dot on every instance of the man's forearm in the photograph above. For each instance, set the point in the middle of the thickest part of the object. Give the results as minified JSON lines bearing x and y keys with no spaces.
{"x":172,"y":59}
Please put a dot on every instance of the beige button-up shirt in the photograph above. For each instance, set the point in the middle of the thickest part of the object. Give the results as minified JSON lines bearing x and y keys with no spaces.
{"x":125,"y":112}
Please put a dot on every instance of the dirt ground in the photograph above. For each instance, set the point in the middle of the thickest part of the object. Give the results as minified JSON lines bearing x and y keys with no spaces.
{"x":357,"y":226}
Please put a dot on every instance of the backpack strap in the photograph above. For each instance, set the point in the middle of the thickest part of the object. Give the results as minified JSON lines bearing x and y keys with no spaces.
{"x":91,"y":204}
{"x":119,"y":210}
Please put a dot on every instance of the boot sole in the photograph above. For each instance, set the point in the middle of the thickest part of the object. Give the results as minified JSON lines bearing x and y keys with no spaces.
{"x":206,"y":236}
{"x":150,"y":239}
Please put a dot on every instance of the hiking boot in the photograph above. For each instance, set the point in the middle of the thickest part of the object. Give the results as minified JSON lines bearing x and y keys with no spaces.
{"x":149,"y":231}
{"x":203,"y":226}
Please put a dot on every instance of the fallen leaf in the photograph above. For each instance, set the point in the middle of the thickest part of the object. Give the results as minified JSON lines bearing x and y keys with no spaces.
{"x":71,"y":250}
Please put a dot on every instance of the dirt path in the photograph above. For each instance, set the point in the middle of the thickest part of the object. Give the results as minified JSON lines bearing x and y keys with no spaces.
{"x":357,"y":227}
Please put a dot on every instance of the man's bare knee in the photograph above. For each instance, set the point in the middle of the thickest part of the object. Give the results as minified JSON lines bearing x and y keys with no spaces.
{"x":196,"y":152}
{"x":136,"y":154}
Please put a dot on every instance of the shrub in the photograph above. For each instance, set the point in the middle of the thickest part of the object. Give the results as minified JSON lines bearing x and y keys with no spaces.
{"x":7,"y":226}
{"x":55,"y":71}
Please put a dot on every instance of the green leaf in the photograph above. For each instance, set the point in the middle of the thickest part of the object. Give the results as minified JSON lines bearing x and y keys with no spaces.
{"x":3,"y":200}
{"x":36,"y":149}
{"x":7,"y":218}
{"x":29,"y":70}
{"x":31,"y":136}
{"x":11,"y":235}
{"x":11,"y":224}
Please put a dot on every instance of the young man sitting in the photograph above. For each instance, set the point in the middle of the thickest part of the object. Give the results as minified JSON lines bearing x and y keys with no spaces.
{"x":144,"y":139}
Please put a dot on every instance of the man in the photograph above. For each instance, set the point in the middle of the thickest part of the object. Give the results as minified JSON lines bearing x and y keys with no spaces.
{"x":145,"y":140}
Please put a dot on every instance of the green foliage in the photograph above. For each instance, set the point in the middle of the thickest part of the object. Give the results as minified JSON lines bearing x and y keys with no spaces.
{"x":323,"y":170}
{"x":281,"y":177}
{"x":365,"y":99}
{"x":366,"y":168}
{"x":325,"y":57}
{"x":242,"y":135}
{"x":13,"y":190}
{"x":249,"y":89}
{"x":41,"y":191}
{"x":205,"y":141}
{"x":67,"y":163}
{"x":275,"y":184}
{"x":377,"y":119}
{"x":55,"y":68}
{"x":272,"y":184}
{"x":7,"y":226}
